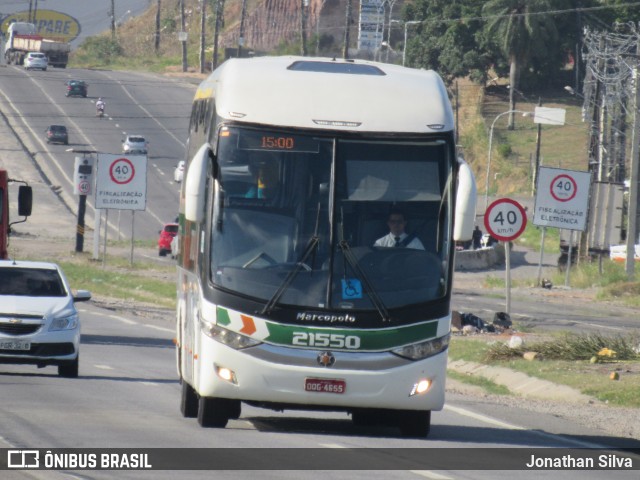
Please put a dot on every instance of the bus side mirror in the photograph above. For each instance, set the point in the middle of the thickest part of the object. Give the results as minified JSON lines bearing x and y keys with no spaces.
{"x":466,"y":195}
{"x":195,"y":183}
{"x":25,"y":200}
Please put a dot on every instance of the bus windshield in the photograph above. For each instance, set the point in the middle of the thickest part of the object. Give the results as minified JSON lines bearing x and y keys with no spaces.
{"x":305,"y":220}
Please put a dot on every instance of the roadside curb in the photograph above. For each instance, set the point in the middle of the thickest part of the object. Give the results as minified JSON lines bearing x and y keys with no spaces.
{"x":521,"y":383}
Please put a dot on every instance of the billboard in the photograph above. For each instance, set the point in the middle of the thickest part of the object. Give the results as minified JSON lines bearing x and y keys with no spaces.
{"x":371,"y":25}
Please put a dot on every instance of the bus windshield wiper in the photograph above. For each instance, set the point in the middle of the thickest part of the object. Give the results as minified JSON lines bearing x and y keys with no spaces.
{"x":371,"y":292}
{"x":300,"y":264}
{"x":312,"y":246}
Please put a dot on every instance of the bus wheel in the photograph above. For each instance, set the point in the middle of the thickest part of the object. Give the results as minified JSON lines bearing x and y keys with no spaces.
{"x":414,"y":423}
{"x":188,"y":401}
{"x":216,"y":412}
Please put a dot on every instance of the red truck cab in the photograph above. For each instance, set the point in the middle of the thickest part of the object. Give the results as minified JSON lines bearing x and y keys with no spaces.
{"x":25,"y":197}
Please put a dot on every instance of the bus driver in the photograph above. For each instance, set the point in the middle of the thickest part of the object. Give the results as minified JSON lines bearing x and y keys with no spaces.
{"x":397,"y":237}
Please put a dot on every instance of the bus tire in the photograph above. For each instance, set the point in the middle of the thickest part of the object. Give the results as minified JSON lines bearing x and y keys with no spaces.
{"x":414,"y":423}
{"x":216,"y":412}
{"x":188,"y":401}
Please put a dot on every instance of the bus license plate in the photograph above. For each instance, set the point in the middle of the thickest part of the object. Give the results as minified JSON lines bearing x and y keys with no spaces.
{"x":325,"y":385}
{"x":14,"y":345}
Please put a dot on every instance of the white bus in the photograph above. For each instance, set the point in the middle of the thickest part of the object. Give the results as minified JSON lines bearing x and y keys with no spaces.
{"x":284,"y":302}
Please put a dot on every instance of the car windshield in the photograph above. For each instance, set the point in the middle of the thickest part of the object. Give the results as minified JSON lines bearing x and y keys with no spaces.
{"x":31,"y":282}
{"x":136,"y":140}
{"x":58,"y":128}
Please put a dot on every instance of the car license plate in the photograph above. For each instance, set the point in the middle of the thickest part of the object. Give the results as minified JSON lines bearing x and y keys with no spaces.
{"x":14,"y":345}
{"x":325,"y":385}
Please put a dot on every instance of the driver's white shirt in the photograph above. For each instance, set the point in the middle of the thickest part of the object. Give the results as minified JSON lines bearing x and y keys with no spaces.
{"x":389,"y":240}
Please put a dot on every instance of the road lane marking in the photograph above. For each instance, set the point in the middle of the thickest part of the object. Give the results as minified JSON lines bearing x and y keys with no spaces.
{"x":123,"y":320}
{"x":605,"y":326}
{"x":430,"y":474}
{"x":103,"y":367}
{"x":509,"y":426}
{"x":162,"y":329}
{"x":482,"y":418}
{"x":422,"y":473}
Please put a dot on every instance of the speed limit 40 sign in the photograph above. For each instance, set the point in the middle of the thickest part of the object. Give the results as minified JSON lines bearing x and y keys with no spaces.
{"x":562,"y":199}
{"x":121,"y":182}
{"x":505,"y":219}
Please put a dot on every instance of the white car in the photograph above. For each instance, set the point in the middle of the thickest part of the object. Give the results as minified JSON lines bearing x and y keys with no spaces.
{"x":36,"y":60}
{"x":39,"y":323}
{"x":178,"y":173}
{"x":135,"y":144}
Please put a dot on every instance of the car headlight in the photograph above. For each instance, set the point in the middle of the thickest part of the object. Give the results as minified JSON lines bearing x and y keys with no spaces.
{"x":418,"y":351}
{"x":231,"y":339}
{"x":68,"y":322}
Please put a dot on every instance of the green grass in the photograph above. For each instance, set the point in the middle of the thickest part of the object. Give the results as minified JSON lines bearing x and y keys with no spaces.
{"x":115,"y":277}
{"x":532,"y":236}
{"x":485,"y":384}
{"x":121,"y":283}
{"x":589,"y":378}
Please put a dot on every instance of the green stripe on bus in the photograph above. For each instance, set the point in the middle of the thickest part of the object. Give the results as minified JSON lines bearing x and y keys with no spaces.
{"x":350,"y":339}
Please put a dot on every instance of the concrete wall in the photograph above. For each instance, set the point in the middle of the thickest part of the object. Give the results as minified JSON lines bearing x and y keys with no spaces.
{"x":467,"y":260}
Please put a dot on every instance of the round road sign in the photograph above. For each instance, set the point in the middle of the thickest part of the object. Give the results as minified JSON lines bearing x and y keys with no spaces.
{"x":121,"y":171}
{"x":84,"y":187}
{"x":563,"y":188}
{"x":505,"y":219}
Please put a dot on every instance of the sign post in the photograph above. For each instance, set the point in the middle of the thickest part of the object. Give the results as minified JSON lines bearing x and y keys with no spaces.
{"x":505,"y":220}
{"x":121,"y":183}
{"x":562,"y":201}
{"x":82,"y":182}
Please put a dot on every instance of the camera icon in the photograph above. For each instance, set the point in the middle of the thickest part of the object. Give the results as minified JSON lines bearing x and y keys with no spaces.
{"x":23,"y":459}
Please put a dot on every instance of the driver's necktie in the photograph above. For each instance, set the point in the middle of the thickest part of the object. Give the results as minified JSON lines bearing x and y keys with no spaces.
{"x":398,"y":244}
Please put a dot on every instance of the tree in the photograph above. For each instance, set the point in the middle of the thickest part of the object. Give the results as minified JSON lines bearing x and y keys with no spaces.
{"x":521,"y":31}
{"x":446,"y":41}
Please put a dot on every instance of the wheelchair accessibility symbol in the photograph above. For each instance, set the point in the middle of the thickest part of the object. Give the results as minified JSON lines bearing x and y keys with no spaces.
{"x":351,"y":289}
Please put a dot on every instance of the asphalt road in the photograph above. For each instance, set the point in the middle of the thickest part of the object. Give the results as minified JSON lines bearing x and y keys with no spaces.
{"x":127,"y":396}
{"x":136,"y":103}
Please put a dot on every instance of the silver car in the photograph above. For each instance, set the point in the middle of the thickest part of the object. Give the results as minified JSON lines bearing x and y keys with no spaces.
{"x":39,"y":323}
{"x":36,"y":60}
{"x":135,"y":144}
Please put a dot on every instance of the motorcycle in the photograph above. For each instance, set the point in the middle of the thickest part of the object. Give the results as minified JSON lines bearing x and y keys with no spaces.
{"x":100,"y":111}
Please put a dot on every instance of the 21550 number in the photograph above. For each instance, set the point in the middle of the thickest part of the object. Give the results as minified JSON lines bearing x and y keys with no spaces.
{"x":326,"y":340}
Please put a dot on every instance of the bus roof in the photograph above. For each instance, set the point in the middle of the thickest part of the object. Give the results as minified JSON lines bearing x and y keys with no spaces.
{"x":326,"y":93}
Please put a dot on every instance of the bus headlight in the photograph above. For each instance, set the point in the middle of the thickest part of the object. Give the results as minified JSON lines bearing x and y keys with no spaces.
{"x":227,"y":337}
{"x":418,"y":351}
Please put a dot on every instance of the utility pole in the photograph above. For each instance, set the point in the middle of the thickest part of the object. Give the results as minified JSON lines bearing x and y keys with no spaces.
{"x":157,"y":44}
{"x":537,"y":159}
{"x":183,"y":31}
{"x":216,"y":32}
{"x":632,"y":212}
{"x":345,"y":49}
{"x":241,"y":34}
{"x":113,"y":20}
{"x":304,"y":4}
{"x":203,"y":18}
{"x":391,"y":4}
